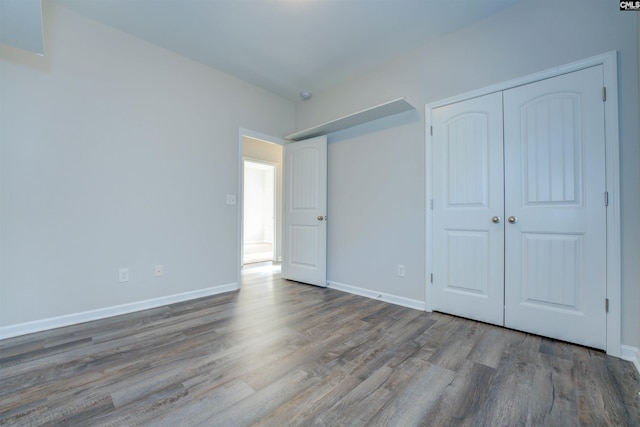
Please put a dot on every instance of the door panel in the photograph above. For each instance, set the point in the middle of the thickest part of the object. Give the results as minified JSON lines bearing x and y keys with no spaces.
{"x":468,"y":176}
{"x":305,"y":193}
{"x":473,"y":248}
{"x":551,"y":274}
{"x":551,"y":149}
{"x":555,"y":271}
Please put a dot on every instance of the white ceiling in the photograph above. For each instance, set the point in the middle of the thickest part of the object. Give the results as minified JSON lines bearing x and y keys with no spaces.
{"x":289,"y":46}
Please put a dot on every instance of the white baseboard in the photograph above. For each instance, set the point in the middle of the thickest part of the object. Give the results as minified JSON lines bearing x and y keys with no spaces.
{"x":102,"y":313}
{"x":392,"y":299}
{"x":630,"y":353}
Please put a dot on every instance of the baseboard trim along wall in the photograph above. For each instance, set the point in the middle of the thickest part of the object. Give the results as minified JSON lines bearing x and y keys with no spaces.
{"x":630,"y":353}
{"x":368,"y":293}
{"x":102,"y":313}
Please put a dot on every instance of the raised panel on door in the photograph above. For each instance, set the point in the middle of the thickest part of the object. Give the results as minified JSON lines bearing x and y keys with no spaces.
{"x":468,"y":269}
{"x":305,"y":195}
{"x":555,"y":253}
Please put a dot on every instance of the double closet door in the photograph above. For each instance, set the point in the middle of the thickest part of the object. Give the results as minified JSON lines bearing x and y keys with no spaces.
{"x":519,"y":211}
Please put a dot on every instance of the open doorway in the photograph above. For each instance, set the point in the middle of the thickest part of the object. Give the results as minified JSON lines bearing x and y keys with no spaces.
{"x":261,"y":212}
{"x":259,"y":219}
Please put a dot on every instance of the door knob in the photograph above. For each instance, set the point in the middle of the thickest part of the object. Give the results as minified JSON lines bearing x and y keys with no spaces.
{"x":496,"y":219}
{"x":320,"y":218}
{"x":512,"y":219}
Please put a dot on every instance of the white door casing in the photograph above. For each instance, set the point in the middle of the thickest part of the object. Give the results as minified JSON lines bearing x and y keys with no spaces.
{"x":305,"y":212}
{"x":467,"y":166}
{"x":555,"y":258}
{"x":556,"y":248}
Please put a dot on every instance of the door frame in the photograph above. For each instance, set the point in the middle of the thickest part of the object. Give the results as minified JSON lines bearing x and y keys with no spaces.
{"x":242,"y":132}
{"x":609,"y":61}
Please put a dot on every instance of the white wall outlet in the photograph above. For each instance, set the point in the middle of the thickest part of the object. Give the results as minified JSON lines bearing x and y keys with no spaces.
{"x":123,"y":275}
{"x":231,"y":199}
{"x":158,"y":270}
{"x":400,"y":270}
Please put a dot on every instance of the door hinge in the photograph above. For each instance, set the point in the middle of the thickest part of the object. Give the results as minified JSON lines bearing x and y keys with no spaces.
{"x":431,"y":130}
{"x":431,"y":278}
{"x":604,"y":93}
{"x":431,"y":204}
{"x":606,"y":305}
{"x":606,"y":198}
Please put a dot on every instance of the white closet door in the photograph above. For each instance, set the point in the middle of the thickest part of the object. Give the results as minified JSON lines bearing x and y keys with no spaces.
{"x":305,"y":211}
{"x":555,"y":253}
{"x":468,"y":269}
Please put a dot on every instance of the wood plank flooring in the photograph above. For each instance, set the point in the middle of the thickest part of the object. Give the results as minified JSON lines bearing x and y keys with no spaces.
{"x":279,"y":353}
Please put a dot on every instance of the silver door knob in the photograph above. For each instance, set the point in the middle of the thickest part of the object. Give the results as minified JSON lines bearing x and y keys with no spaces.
{"x":320,"y":218}
{"x":496,"y":219}
{"x":512,"y":219}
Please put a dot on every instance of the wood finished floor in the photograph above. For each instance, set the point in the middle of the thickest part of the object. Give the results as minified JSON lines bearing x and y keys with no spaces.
{"x":279,"y":353}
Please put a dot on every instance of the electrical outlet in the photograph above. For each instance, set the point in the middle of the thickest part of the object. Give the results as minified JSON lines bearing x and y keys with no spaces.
{"x":400,"y":270}
{"x":158,"y":270}
{"x":123,"y":275}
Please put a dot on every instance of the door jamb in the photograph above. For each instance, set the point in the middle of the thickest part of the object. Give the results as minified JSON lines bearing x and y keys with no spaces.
{"x":609,"y":61}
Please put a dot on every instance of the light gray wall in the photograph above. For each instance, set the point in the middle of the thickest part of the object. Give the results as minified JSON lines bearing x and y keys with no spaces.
{"x":115,"y":153}
{"x":377,"y":173}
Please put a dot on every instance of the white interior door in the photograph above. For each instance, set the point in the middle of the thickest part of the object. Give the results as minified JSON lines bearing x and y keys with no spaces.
{"x":305,"y":211}
{"x":555,"y":258}
{"x":468,"y":205}
{"x":541,"y":267}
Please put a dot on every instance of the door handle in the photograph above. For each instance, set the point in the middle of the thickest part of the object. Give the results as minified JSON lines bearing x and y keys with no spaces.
{"x":321,"y":218}
{"x":512,"y":219}
{"x":496,"y":219}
